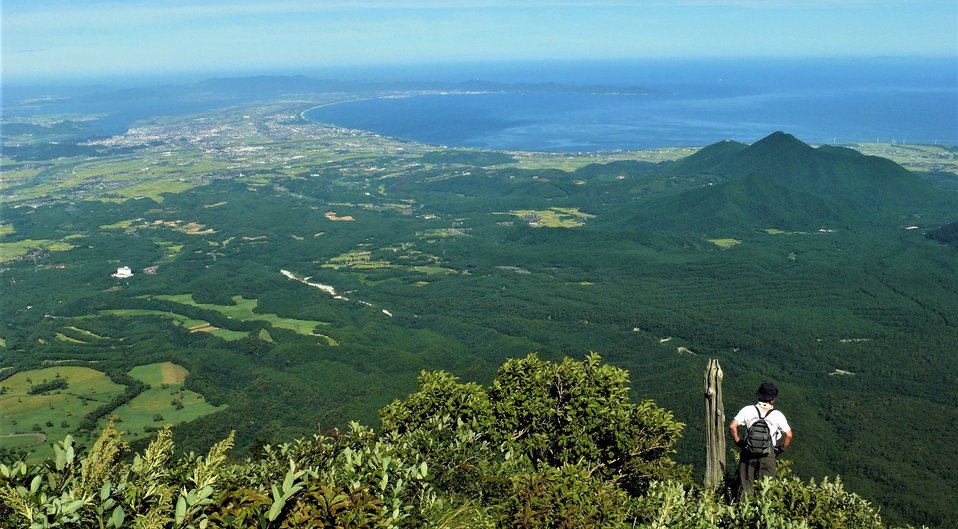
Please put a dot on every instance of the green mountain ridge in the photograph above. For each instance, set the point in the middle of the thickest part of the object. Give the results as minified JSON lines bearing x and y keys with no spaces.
{"x":744,"y":205}
{"x":831,"y":172}
{"x":780,"y":182}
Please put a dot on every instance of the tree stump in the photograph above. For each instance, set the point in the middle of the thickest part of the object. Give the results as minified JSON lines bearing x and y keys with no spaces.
{"x":714,"y":426}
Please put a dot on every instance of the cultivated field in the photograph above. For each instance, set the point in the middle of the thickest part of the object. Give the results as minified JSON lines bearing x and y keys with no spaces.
{"x":165,"y":402}
{"x":50,"y":414}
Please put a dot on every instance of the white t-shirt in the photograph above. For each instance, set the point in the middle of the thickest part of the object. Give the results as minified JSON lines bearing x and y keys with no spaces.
{"x":775,"y":419}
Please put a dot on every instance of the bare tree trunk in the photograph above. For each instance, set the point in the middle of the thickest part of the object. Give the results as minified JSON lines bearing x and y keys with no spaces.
{"x":714,"y":425}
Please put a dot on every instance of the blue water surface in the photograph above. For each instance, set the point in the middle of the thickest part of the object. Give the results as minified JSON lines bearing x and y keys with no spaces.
{"x":690,"y":103}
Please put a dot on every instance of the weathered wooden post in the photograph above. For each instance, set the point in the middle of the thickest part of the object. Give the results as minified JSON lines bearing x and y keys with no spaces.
{"x":714,"y":426}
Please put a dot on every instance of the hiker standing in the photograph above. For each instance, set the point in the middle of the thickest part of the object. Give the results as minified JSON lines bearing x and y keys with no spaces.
{"x":765,"y":428}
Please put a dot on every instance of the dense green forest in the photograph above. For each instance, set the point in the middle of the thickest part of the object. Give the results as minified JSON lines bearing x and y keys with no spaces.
{"x":300,"y":299}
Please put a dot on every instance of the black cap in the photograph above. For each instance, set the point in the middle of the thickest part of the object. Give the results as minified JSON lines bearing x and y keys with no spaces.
{"x":767,"y":392}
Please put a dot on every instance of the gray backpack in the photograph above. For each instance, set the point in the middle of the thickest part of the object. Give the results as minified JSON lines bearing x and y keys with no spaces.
{"x":758,"y":440}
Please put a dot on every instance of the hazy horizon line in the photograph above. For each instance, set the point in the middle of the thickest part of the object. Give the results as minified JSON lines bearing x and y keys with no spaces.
{"x":197,"y":75}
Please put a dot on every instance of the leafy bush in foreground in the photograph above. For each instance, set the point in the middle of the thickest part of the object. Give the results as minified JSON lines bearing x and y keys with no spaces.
{"x":549,"y":446}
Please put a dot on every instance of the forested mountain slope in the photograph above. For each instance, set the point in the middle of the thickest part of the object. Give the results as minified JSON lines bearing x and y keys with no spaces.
{"x":300,"y":277}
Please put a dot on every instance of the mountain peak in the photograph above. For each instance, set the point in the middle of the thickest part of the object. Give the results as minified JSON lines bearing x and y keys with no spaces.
{"x":779,"y":141}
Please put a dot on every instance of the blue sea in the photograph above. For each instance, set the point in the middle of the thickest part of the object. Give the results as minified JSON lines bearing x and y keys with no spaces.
{"x":689,"y":103}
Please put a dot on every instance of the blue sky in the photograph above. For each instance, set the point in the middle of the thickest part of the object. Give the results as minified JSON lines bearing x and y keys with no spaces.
{"x":64,"y":39}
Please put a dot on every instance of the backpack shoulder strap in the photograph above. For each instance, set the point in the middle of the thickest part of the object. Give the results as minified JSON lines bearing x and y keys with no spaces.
{"x":760,"y":412}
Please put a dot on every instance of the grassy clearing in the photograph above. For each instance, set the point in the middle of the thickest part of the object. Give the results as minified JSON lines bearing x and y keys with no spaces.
{"x":441,"y":232}
{"x":29,"y":420}
{"x":170,"y":250}
{"x":775,"y":231}
{"x":166,"y":402}
{"x":10,"y":251}
{"x":23,"y":441}
{"x":162,"y":373}
{"x":226,"y":334}
{"x":154,"y":189}
{"x":358,"y":259}
{"x":573,"y":212}
{"x":86,"y":333}
{"x":192,"y":324}
{"x":553,"y":217}
{"x":179,"y":319}
{"x":79,"y":336}
{"x":431,"y":270}
{"x":64,"y":338}
{"x":724,"y":243}
{"x":243,"y":310}
{"x":55,"y":413}
{"x":6,"y":229}
{"x":122,"y":225}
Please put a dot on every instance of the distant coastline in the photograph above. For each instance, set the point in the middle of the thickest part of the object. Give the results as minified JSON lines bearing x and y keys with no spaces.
{"x":594,"y":108}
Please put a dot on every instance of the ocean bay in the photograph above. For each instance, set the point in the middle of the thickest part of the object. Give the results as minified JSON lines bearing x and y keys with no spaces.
{"x":688,"y":105}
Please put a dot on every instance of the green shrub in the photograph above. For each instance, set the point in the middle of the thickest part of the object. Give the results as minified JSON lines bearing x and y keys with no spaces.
{"x":574,"y":412}
{"x":439,"y":394}
{"x":565,"y":497}
{"x":777,"y":504}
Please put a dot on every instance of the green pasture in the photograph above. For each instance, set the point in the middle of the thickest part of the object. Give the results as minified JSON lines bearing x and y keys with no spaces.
{"x":24,"y":441}
{"x":181,"y":320}
{"x":32,"y":421}
{"x":77,"y":335}
{"x":55,"y":413}
{"x":226,"y":334}
{"x":170,"y":250}
{"x":775,"y":231}
{"x":553,"y":217}
{"x":243,"y":310}
{"x":160,"y":373}
{"x":6,"y":229}
{"x":122,"y":225}
{"x":440,"y":233}
{"x":574,"y":212}
{"x":359,"y":259}
{"x":86,"y":333}
{"x":724,"y":243}
{"x":14,"y":177}
{"x":154,"y":189}
{"x":12,"y":250}
{"x":64,"y":338}
{"x":165,"y":398}
{"x":431,"y":270}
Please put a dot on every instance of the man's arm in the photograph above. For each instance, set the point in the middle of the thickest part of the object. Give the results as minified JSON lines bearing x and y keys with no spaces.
{"x":788,"y":440}
{"x":733,"y":429}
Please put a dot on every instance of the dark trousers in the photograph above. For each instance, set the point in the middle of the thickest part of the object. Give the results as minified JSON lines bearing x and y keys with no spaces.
{"x":751,"y":470}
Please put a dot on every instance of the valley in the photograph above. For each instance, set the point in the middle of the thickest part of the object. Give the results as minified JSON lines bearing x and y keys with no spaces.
{"x":288,"y":277}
